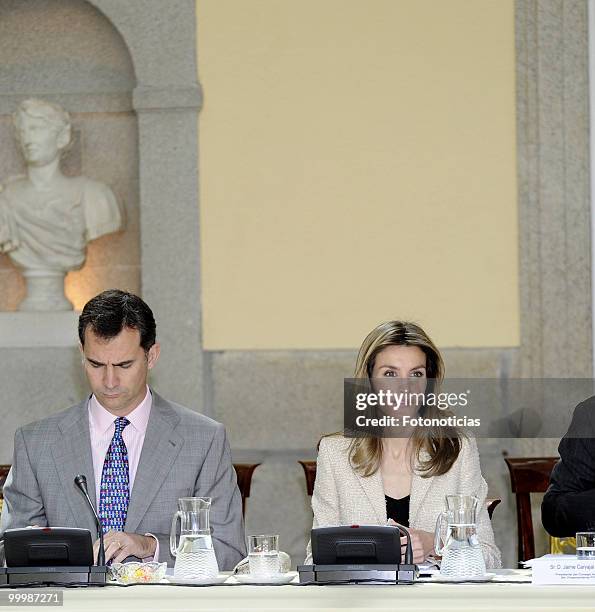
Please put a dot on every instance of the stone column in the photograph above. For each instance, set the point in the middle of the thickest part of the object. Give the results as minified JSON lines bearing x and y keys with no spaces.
{"x":161,"y":37}
{"x":170,"y":244}
{"x":554,"y":202}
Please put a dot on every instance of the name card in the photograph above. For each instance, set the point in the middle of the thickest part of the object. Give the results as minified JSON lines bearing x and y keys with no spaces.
{"x":563,"y":569}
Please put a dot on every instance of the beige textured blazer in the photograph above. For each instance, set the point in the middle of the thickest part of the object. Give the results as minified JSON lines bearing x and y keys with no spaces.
{"x":342,"y":497}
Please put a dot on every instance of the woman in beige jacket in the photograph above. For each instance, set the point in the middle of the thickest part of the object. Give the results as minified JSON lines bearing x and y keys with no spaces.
{"x":369,"y":480}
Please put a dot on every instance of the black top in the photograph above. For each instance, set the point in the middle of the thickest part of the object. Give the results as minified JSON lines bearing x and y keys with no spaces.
{"x":398,"y":509}
{"x":569,"y":504}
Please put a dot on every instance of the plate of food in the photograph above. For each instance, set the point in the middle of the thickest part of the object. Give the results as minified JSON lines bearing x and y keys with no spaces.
{"x":135,"y":572}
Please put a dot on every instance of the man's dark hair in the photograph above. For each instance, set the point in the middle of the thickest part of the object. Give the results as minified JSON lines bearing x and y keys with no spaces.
{"x":108,"y":313}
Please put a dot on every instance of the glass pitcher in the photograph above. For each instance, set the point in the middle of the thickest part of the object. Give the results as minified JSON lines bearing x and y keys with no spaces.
{"x":461,"y":552}
{"x":194,"y":553}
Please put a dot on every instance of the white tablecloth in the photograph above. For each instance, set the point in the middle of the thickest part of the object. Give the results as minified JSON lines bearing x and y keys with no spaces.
{"x":416,"y":598}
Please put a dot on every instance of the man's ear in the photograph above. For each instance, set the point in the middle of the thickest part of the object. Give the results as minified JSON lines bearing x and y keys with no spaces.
{"x":82,"y":350}
{"x":153,"y":355}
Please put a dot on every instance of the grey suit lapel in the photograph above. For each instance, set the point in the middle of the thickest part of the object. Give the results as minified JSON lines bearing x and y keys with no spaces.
{"x":160,"y":449}
{"x":72,"y":455}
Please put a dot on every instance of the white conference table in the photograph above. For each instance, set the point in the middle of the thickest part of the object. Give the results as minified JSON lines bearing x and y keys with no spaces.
{"x":417,"y":598}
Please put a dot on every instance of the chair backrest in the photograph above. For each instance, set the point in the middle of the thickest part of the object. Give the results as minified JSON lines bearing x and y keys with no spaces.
{"x":4,"y":469}
{"x":528,"y":475}
{"x":244,"y":472}
{"x":491,"y":505}
{"x":310,"y":473}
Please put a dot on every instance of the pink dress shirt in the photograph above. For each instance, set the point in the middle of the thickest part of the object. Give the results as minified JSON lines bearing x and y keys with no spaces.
{"x":101,"y":430}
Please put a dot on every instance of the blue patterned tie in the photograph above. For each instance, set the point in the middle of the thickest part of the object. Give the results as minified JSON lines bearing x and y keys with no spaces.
{"x":114,"y":493}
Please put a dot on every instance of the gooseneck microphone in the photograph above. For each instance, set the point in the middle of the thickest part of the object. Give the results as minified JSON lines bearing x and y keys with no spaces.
{"x":409,"y":549}
{"x":81,"y":482}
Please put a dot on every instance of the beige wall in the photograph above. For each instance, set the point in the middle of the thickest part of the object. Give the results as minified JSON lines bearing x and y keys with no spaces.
{"x":357,"y":163}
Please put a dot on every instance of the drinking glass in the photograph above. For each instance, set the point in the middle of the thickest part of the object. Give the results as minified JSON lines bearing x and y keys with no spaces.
{"x":585,"y":545}
{"x":263,"y":555}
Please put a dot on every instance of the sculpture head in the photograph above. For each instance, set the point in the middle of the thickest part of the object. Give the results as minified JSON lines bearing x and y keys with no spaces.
{"x":43,"y":131}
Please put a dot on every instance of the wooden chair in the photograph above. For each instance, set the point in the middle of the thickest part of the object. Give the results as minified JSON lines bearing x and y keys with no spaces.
{"x":491,"y":504}
{"x":4,"y":469}
{"x":528,"y":475}
{"x":244,"y":472}
{"x":310,"y":473}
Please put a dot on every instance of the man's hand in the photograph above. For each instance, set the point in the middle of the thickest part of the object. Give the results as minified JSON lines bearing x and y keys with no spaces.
{"x":119,"y":545}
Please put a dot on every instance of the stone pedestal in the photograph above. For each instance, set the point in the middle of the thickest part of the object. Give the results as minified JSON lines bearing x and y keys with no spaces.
{"x":40,"y":372}
{"x":45,"y":292}
{"x":38,"y":330}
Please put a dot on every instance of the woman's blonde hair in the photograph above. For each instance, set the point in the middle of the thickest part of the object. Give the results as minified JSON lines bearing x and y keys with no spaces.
{"x":442,"y":444}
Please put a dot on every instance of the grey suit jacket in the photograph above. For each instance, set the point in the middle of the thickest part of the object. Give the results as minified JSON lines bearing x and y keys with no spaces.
{"x":184,"y":454}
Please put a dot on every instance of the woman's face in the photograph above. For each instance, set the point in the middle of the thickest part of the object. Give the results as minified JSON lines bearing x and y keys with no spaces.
{"x":401,"y":370}
{"x":400,"y":362}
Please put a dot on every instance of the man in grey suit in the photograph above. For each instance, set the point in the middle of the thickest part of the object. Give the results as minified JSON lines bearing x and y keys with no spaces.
{"x":140,"y":452}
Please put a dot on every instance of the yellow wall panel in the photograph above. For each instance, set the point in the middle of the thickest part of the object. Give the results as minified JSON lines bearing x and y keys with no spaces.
{"x":357,"y":163}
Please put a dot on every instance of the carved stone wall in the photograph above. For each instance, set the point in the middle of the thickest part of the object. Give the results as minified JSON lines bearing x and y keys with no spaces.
{"x":67,"y":52}
{"x":554,"y":201}
{"x":127,"y":72}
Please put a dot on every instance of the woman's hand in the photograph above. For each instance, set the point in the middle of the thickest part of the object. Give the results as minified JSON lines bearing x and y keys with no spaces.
{"x":422,"y":543}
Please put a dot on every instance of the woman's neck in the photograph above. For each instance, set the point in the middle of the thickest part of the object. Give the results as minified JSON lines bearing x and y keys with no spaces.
{"x":396,"y":448}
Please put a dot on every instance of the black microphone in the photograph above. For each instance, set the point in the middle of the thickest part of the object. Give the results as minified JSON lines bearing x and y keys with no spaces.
{"x":407,"y":572}
{"x":409,"y":549}
{"x":81,"y":482}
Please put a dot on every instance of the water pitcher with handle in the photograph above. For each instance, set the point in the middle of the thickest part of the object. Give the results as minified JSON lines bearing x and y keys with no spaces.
{"x":460,"y":548}
{"x":194,"y":553}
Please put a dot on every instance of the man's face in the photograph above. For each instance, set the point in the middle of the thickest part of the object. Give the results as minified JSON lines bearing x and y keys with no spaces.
{"x":117,"y":369}
{"x":40,"y":142}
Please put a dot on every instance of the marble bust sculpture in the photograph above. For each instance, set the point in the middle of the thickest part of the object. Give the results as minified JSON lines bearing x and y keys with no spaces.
{"x":47,"y":218}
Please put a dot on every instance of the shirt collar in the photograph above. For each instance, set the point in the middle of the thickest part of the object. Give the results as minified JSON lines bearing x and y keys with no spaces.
{"x":102,"y":419}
